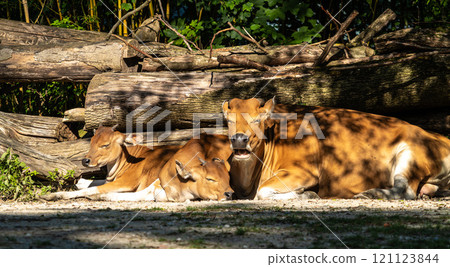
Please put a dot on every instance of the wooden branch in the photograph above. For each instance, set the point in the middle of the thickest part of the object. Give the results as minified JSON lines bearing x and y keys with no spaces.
{"x":243,"y":62}
{"x":214,"y":37}
{"x":161,"y":9}
{"x":247,"y":38}
{"x":185,"y":40}
{"x":113,"y":29}
{"x":376,"y":26}
{"x":336,"y":22}
{"x":333,"y":40}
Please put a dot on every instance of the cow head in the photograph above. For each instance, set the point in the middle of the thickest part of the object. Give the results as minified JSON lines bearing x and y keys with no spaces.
{"x":208,"y":180}
{"x":106,"y":147}
{"x":247,"y":120}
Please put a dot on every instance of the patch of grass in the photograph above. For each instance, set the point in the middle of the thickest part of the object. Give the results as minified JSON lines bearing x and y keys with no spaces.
{"x":155,"y":209}
{"x":197,"y":243}
{"x":240,"y":231}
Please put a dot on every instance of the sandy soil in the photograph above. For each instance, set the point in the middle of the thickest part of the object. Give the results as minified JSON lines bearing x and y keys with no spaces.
{"x":233,"y":224}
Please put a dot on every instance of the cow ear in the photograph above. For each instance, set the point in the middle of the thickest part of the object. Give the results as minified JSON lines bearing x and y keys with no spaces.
{"x":119,"y":138}
{"x":133,"y":139}
{"x":181,"y":170}
{"x":225,"y":108}
{"x":268,"y":107}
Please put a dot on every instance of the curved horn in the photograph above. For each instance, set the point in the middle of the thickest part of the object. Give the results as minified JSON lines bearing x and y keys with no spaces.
{"x":114,"y":127}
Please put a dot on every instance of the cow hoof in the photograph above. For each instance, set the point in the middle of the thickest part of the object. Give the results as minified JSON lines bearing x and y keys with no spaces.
{"x":361,"y":196}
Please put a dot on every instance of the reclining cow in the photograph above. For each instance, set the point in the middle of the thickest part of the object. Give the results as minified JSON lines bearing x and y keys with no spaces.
{"x":280,"y":155}
{"x":196,"y":171}
{"x":130,"y":167}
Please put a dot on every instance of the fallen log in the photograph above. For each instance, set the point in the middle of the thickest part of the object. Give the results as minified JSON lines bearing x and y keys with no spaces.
{"x":20,"y":33}
{"x":31,"y":130}
{"x":75,"y":61}
{"x":74,"y":115}
{"x":35,"y":159}
{"x":180,"y":60}
{"x":412,"y":40}
{"x":399,"y":84}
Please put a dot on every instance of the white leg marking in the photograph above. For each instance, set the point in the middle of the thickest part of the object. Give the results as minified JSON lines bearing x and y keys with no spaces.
{"x":147,"y":194}
{"x":86,"y":183}
{"x":402,"y":160}
{"x":269,"y":193}
{"x":69,"y":195}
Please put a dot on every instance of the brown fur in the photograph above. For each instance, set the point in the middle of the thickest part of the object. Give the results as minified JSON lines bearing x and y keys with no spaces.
{"x":357,"y":154}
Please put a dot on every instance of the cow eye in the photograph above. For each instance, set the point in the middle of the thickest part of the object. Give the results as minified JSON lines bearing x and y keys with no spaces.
{"x":105,"y":146}
{"x":256,"y":121}
{"x":230,"y":122}
{"x":209,"y":179}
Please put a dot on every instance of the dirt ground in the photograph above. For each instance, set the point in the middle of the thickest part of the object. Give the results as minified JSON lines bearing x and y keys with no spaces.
{"x":232,"y":224}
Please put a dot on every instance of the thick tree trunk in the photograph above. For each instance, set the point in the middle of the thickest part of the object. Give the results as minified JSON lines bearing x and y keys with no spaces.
{"x":20,"y":33}
{"x":76,"y":61}
{"x":412,"y":40}
{"x":392,"y":85}
{"x":32,"y":130}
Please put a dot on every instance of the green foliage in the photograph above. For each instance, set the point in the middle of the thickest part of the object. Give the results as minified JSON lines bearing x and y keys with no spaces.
{"x":17,"y":182}
{"x":66,"y":23}
{"x":16,"y":179}
{"x":277,"y":21}
{"x":47,"y":99}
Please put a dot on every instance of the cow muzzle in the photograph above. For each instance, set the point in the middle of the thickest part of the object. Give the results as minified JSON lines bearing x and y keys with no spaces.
{"x":86,"y":162}
{"x":239,"y":144}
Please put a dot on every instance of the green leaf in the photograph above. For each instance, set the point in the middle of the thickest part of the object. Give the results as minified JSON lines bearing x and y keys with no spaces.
{"x":254,"y":27}
{"x":127,"y":6}
{"x":309,"y":13}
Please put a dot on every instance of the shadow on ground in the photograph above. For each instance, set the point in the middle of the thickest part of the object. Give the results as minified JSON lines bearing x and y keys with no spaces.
{"x":225,"y":225}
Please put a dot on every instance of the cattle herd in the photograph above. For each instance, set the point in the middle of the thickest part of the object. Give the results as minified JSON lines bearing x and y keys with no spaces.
{"x":274,"y":151}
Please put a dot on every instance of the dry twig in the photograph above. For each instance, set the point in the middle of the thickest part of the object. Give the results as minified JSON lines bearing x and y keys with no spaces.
{"x":248,"y":38}
{"x":321,"y":59}
{"x":113,"y":29}
{"x":214,"y":37}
